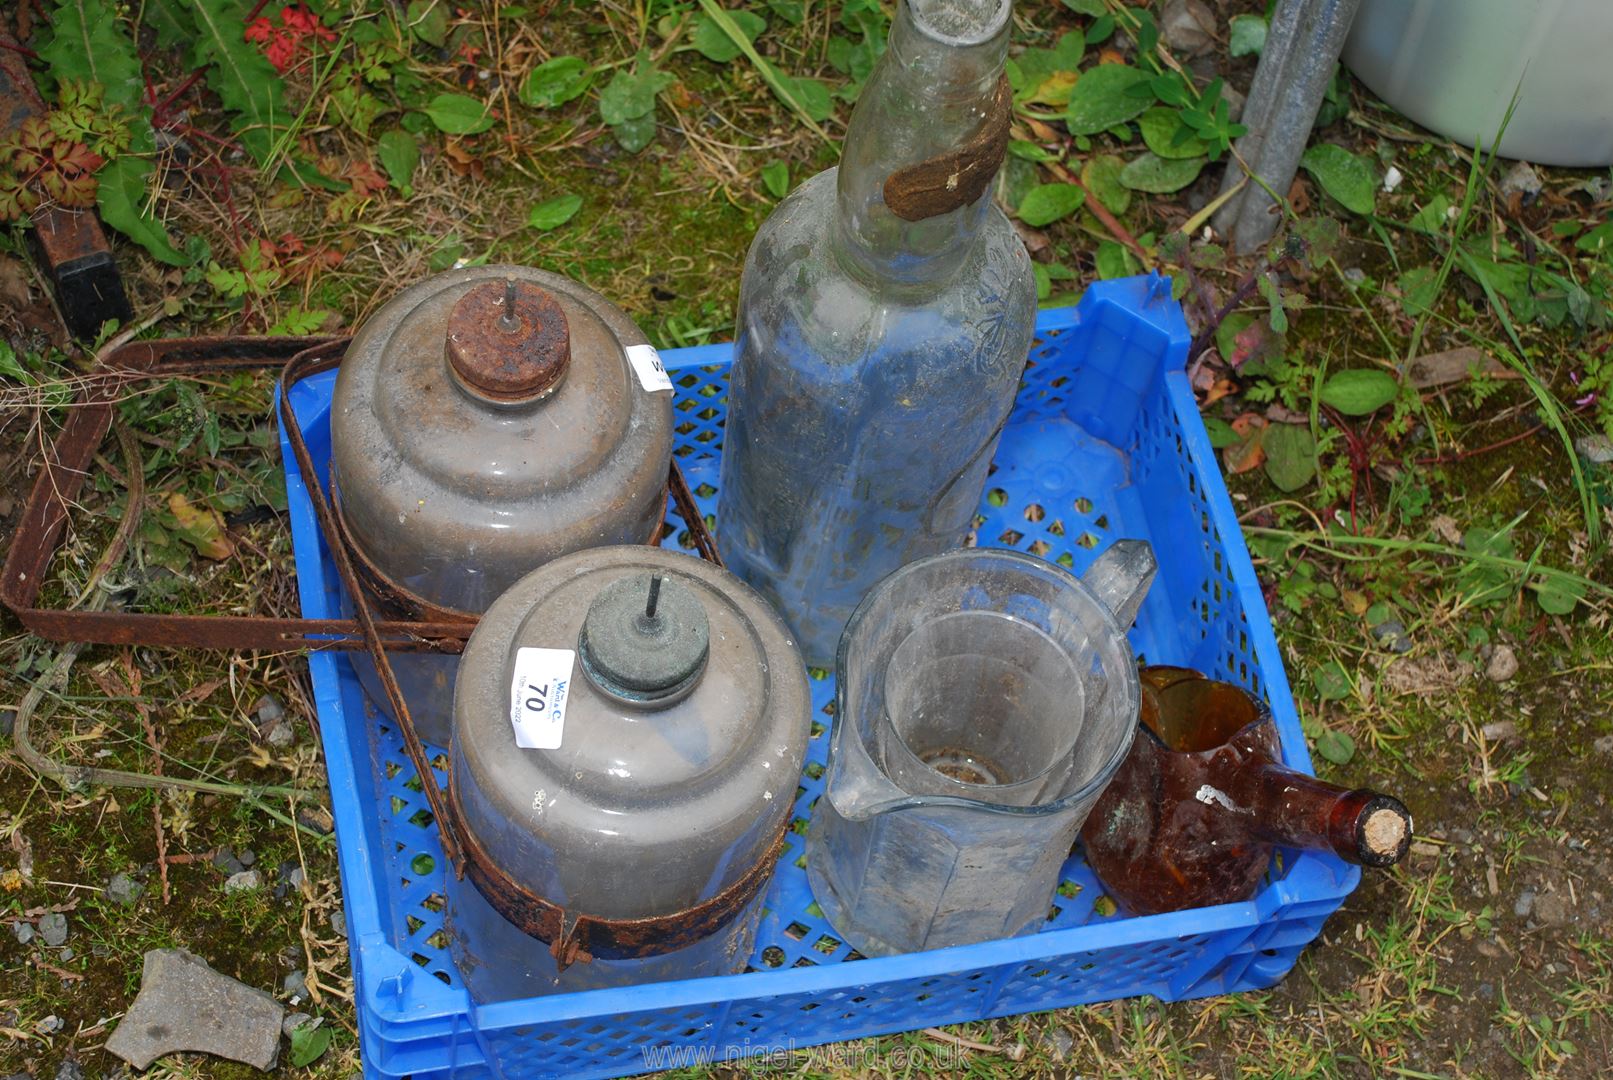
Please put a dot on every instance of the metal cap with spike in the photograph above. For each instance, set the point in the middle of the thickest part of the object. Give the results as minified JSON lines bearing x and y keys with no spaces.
{"x":645,"y":640}
{"x":509,"y":341}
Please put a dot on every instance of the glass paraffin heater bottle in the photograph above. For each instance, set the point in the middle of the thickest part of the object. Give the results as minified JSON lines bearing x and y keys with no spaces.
{"x":884,"y":319}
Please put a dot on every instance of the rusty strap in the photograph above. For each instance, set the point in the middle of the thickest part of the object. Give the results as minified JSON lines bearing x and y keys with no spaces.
{"x":958,"y":177}
{"x":67,"y":464}
{"x":581,"y":938}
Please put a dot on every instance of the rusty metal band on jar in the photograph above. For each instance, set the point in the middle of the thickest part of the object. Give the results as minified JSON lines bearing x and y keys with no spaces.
{"x":958,"y":177}
{"x":580,"y":939}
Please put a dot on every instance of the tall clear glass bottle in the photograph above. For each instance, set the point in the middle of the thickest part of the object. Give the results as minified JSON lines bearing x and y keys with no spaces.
{"x":884,"y":319}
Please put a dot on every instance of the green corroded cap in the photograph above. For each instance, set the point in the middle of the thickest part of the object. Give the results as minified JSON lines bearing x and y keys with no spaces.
{"x":645,"y":640}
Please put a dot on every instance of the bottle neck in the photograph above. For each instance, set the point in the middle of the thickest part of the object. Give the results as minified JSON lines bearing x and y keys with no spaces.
{"x":1295,"y":810}
{"x":932,"y":92}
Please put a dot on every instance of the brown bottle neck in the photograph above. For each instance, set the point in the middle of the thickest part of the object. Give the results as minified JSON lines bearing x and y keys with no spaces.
{"x":1295,"y":810}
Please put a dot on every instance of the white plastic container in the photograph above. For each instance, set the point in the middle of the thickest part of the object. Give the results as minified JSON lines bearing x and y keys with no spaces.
{"x":1453,"y":66}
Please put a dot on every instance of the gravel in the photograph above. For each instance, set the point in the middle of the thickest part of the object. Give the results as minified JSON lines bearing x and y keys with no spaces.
{"x":1187,"y":26}
{"x":295,"y":987}
{"x":1525,"y":904}
{"x":124,"y":890}
{"x":69,"y":1070}
{"x":267,"y":710}
{"x":24,"y":932}
{"x":8,"y":722}
{"x":245,"y":881}
{"x":294,"y":1021}
{"x":281,"y":735}
{"x":1503,"y":664}
{"x":1391,"y":634}
{"x":53,"y":928}
{"x":226,"y":861}
{"x":1553,"y":909}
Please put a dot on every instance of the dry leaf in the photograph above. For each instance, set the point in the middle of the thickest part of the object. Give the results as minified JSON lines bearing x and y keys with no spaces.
{"x":1453,"y":366}
{"x":1279,"y":413}
{"x":1251,"y":452}
{"x":1247,"y":422}
{"x":201,"y":527}
{"x":1218,"y":389}
{"x":1446,"y":527}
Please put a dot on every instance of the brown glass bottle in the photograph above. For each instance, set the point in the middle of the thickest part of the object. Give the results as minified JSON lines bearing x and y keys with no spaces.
{"x":1192,"y":815}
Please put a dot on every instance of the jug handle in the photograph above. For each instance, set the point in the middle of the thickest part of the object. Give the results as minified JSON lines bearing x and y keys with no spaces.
{"x":1120,"y":578}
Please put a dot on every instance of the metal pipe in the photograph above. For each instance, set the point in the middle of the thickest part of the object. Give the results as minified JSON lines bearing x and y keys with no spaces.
{"x":1302,"y":48}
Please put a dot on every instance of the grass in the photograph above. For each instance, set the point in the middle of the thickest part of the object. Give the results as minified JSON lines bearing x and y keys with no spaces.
{"x":1428,"y":970}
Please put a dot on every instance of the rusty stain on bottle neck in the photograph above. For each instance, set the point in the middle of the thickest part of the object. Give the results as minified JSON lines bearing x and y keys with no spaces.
{"x":509,"y":341}
{"x":958,"y":177}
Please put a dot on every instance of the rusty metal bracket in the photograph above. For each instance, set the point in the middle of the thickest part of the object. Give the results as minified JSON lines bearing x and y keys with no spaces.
{"x":573,"y":939}
{"x":67,"y":465}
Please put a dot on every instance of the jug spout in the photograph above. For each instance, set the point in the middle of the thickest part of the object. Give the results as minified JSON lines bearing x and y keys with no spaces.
{"x":1121,"y":577}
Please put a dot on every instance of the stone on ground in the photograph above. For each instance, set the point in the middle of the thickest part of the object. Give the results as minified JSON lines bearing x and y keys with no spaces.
{"x":184,"y":1005}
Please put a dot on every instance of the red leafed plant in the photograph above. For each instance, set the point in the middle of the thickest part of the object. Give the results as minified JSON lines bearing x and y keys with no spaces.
{"x":284,"y":44}
{"x":37,"y":164}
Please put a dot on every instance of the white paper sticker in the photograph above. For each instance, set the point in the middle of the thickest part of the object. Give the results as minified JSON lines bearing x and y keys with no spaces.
{"x":538,"y":694}
{"x":647,"y":362}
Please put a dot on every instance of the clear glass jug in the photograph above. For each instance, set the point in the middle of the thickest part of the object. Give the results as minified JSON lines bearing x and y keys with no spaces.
{"x":985,"y":699}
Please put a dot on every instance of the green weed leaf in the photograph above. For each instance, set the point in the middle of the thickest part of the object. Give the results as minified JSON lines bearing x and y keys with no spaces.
{"x":429,"y":20}
{"x":791,"y":11}
{"x":1115,"y":260}
{"x":1047,"y":203}
{"x":556,"y":82}
{"x":630,"y":95}
{"x":308,"y":1044}
{"x":1559,"y":595}
{"x":459,"y":114}
{"x":1103,"y":98}
{"x":1332,"y":682}
{"x":1220,"y":432}
{"x":1599,"y":241}
{"x":1419,"y":288}
{"x":121,"y":198}
{"x":1152,"y":173}
{"x":1279,"y":315}
{"x":1335,"y":746}
{"x":1347,"y":177}
{"x":1166,"y":135}
{"x":91,"y":44}
{"x":1290,"y":456}
{"x":245,"y":82}
{"x":1247,"y":35}
{"x":172,"y":21}
{"x":776,"y":177}
{"x":555,"y":212}
{"x":1101,"y":175}
{"x":1359,"y":391}
{"x":637,"y":133}
{"x":1094,"y":8}
{"x":400,"y":156}
{"x":712,"y":41}
{"x":1433,"y":218}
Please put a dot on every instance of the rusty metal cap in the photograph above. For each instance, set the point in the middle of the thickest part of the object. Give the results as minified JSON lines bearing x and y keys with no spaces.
{"x":509,"y":341}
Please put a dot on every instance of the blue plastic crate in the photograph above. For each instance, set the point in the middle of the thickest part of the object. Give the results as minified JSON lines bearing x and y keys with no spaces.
{"x":1105,"y":442}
